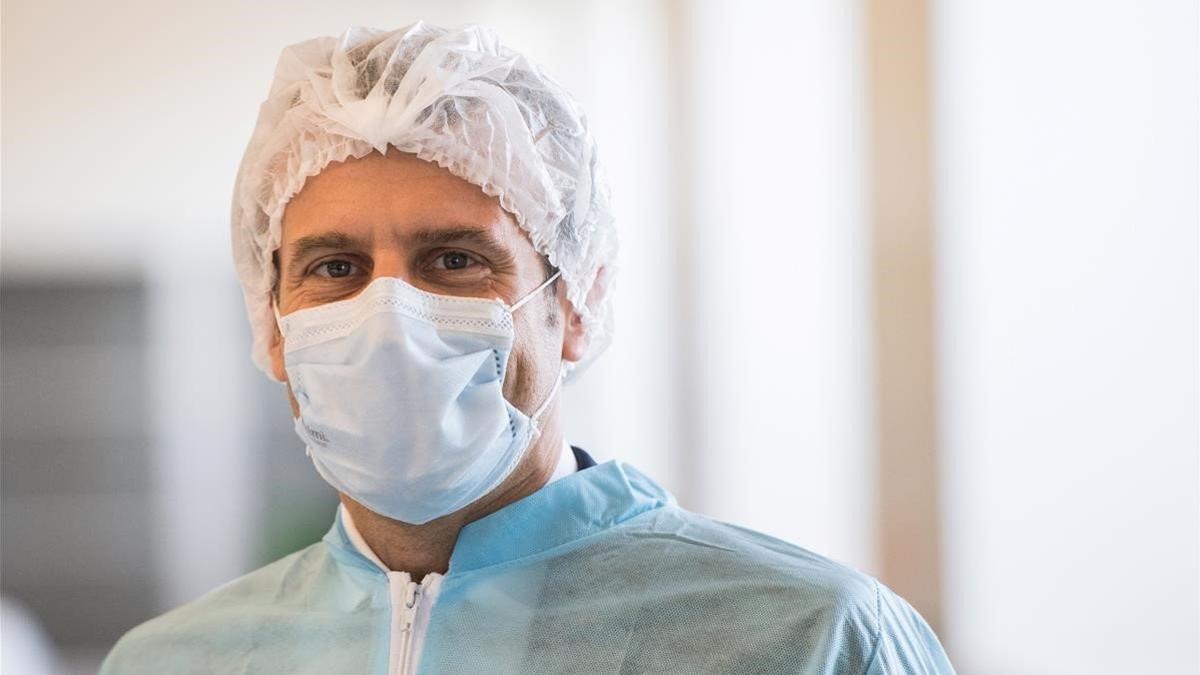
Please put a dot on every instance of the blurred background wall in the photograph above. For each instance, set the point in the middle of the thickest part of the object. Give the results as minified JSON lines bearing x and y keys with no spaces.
{"x":910,"y":284}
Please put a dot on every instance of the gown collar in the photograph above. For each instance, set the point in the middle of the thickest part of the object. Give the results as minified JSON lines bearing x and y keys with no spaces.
{"x":569,"y":509}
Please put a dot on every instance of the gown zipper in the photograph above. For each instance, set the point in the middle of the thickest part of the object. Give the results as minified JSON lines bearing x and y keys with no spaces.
{"x":406,"y":598}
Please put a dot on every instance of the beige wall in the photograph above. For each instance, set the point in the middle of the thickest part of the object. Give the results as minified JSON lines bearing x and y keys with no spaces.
{"x":900,"y":136}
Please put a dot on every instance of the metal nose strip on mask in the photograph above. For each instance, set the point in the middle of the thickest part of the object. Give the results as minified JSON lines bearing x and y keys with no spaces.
{"x":512,"y":308}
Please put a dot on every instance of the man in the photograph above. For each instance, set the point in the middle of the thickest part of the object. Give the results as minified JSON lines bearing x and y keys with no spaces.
{"x":424,"y":238}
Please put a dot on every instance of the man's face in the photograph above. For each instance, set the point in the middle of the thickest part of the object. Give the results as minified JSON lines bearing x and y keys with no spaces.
{"x":399,"y":216}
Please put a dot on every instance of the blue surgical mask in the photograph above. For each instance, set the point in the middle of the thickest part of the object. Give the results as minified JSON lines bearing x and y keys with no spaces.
{"x":400,"y":397}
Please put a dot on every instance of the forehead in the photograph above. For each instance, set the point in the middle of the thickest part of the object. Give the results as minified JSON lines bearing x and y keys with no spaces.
{"x":396,"y":194}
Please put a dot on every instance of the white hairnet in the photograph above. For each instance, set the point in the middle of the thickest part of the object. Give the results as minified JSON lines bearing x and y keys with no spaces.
{"x":455,"y":97}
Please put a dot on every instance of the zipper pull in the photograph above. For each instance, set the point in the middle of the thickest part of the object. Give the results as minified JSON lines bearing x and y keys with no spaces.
{"x":412,"y":597}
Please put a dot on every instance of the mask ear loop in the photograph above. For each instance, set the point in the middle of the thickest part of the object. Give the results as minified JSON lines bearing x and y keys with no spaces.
{"x":539,"y":289}
{"x":533,"y":419}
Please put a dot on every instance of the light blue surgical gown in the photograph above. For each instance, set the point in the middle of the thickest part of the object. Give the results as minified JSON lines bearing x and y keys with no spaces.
{"x":599,"y":572}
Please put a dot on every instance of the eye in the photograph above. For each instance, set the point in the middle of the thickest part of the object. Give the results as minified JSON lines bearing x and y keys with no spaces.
{"x":453,"y":260}
{"x":334,"y":269}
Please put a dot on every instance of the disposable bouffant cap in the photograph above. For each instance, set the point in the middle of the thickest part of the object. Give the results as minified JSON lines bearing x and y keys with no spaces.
{"x":458,"y":98}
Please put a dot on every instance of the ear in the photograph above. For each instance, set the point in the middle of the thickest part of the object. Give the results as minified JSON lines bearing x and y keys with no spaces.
{"x":575,"y":337}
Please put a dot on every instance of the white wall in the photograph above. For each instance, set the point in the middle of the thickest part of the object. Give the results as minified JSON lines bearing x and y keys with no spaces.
{"x":777,"y":329}
{"x":1068,"y":287}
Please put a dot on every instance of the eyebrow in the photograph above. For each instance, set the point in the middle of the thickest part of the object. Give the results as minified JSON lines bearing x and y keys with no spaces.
{"x":443,"y":237}
{"x":480,"y":237}
{"x":313,"y":243}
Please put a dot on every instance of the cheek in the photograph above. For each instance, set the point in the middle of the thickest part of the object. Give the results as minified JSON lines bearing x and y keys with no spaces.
{"x":531,"y":359}
{"x":518,"y":380}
